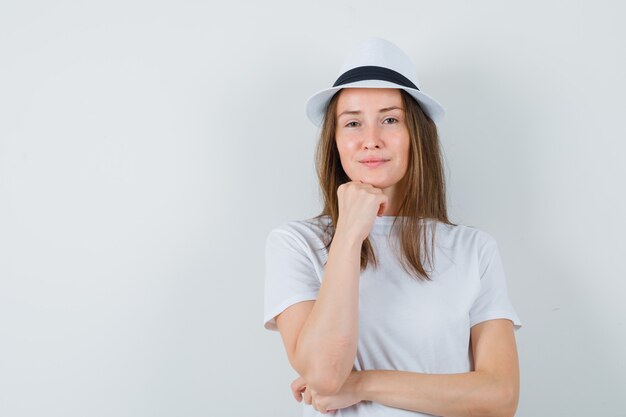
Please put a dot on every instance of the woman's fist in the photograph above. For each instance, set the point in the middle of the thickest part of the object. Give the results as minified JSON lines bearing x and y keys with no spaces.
{"x":359,"y":204}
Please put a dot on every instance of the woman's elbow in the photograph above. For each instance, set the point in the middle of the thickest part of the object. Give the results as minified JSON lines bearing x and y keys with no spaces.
{"x":501,"y":402}
{"x":325,"y":385}
{"x":509,"y":401}
{"x":506,"y":405}
{"x":325,"y":377}
{"x":326,"y":380}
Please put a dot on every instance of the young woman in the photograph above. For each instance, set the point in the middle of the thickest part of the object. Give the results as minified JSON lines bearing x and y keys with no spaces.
{"x":384,"y":306}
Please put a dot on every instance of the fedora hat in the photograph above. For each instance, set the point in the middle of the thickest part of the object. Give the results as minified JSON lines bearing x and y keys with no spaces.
{"x":375,"y":63}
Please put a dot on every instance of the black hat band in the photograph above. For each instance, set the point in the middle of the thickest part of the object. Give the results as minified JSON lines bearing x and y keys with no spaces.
{"x":373,"y":73}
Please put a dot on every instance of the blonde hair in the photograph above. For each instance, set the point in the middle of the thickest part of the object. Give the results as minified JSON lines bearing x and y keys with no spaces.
{"x":424,"y":198}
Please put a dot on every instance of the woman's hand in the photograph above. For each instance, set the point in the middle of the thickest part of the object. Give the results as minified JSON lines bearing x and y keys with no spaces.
{"x":359,"y":204}
{"x":347,"y":396}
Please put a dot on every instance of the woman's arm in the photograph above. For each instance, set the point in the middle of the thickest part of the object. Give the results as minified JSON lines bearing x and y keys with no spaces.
{"x":321,"y":337}
{"x":491,"y":390}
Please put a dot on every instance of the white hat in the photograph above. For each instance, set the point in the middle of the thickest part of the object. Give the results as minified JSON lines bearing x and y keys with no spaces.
{"x":375,"y":63}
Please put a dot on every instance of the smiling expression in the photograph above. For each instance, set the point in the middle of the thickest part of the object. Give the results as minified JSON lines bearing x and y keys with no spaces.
{"x":372,"y":136}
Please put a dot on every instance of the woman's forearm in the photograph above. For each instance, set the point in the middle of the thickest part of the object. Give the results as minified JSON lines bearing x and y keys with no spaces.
{"x":471,"y":394}
{"x":328,"y":340}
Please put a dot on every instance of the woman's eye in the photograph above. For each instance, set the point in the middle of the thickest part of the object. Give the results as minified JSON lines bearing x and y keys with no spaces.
{"x":389,"y":120}
{"x":352,"y":124}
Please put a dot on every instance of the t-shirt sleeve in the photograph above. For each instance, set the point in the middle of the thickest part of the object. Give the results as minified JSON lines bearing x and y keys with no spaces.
{"x":492,"y":301}
{"x":290,"y":275}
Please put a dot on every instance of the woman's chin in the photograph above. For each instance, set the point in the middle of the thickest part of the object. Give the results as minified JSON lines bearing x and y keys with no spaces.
{"x":376,"y":183}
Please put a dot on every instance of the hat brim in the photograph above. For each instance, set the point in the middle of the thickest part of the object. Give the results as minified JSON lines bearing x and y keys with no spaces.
{"x":316,"y":104}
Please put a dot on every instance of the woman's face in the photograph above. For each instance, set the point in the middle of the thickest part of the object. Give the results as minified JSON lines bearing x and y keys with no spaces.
{"x":371,"y":125}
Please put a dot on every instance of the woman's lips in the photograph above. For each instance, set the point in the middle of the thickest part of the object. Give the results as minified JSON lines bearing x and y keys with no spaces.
{"x":373,"y":164}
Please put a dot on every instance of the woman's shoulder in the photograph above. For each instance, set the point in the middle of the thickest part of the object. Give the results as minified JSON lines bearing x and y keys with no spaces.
{"x":305,"y":230}
{"x":302,"y":237}
{"x":303,"y":225}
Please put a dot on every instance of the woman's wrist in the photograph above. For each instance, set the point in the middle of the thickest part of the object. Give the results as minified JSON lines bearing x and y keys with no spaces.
{"x":347,"y":240}
{"x":360,"y":384}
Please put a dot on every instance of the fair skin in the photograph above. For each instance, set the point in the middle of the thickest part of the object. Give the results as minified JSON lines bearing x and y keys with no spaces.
{"x":371,"y":124}
{"x":321,"y":336}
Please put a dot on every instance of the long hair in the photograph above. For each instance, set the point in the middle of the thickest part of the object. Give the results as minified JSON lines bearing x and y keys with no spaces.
{"x":424,"y":196}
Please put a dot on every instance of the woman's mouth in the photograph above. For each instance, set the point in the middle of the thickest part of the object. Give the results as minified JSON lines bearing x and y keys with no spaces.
{"x":374,"y":163}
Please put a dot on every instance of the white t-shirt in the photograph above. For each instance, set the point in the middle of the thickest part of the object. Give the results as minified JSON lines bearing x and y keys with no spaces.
{"x":404,"y":323}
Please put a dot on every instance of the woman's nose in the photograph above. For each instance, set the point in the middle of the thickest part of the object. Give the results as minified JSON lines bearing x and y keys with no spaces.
{"x":372,"y":137}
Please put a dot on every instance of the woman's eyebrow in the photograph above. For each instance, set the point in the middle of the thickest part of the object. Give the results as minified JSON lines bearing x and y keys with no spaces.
{"x":390,"y":108}
{"x":349,"y":112}
{"x":379,"y":111}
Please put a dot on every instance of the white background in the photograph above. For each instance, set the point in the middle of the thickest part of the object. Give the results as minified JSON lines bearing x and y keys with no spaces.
{"x":147,"y":148}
